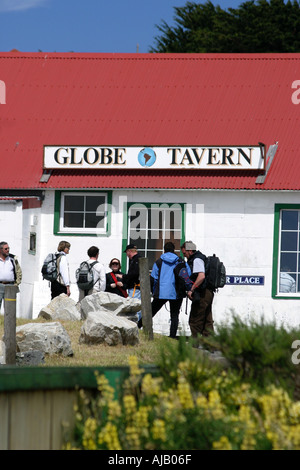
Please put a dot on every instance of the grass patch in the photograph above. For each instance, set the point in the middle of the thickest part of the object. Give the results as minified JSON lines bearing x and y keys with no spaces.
{"x":101,"y":355}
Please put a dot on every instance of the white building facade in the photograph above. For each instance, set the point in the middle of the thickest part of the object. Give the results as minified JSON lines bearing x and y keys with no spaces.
{"x":243,"y":228}
{"x":111,"y":149}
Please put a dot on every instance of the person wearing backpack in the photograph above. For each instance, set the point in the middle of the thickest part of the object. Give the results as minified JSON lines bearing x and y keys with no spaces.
{"x":10,"y":269}
{"x":163,"y":286}
{"x":61,"y":285}
{"x":201,"y":319}
{"x":132,"y":278}
{"x":98,"y":272}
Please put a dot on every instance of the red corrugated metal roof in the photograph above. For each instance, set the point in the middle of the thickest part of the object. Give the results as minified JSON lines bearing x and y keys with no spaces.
{"x":148,"y":100}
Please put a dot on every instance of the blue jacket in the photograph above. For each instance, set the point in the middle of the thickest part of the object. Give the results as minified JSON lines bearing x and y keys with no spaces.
{"x":164,"y":279}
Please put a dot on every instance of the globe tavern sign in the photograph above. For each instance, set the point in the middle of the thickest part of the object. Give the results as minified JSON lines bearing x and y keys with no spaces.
{"x":168,"y":158}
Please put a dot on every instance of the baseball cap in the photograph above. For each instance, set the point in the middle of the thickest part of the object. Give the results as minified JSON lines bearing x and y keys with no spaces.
{"x":130,"y":247}
{"x":190,"y":246}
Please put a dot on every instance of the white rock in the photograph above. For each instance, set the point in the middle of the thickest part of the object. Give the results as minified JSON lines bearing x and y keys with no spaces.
{"x":61,"y":307}
{"x":102,"y":302}
{"x":50,"y":338}
{"x":105,"y":327}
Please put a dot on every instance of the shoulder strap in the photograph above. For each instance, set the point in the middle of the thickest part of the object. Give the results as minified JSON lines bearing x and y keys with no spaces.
{"x":158,"y":263}
{"x":119,"y":287}
{"x":91,"y":266}
{"x":13,"y":262}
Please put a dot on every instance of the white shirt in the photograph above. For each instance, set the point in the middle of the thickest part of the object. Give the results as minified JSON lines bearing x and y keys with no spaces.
{"x":64,"y":269}
{"x":6,"y":270}
{"x":286,"y":283}
{"x":198,"y":266}
{"x":99,"y":274}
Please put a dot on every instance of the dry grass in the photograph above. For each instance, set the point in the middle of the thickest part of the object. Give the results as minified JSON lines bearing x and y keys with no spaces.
{"x":99,"y":355}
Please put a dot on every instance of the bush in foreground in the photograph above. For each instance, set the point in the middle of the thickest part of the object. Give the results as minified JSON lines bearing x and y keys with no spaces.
{"x":192,"y":404}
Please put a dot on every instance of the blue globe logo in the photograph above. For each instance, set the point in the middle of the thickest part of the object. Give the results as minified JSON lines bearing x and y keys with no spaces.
{"x":146,"y":157}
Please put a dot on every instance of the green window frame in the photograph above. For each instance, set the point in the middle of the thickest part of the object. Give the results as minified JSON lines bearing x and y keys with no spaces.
{"x":286,"y":251}
{"x":85,"y":211}
{"x":149,"y":225}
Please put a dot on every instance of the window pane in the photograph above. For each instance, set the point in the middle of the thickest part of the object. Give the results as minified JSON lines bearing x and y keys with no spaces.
{"x":289,"y":220}
{"x":152,"y":257}
{"x":287,"y":282}
{"x":93,"y":221}
{"x":73,"y":220}
{"x":150,"y":227}
{"x":154,"y":244}
{"x":84,"y":211}
{"x":137,"y":234}
{"x":154,"y":234}
{"x":177,"y":245}
{"x":139,"y":243}
{"x":173,"y":219}
{"x":289,"y":241}
{"x":74,"y":203}
{"x":155,"y":217}
{"x":93,"y":203}
{"x":288,"y":262}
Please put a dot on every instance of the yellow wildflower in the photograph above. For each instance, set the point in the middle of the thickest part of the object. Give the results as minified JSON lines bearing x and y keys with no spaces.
{"x":109,"y":436}
{"x":132,"y":437}
{"x":134,"y":366}
{"x":184,"y":394}
{"x":107,"y":392}
{"x":89,"y":434}
{"x":114,"y":410}
{"x":159,"y":430}
{"x":130,"y":406}
{"x":150,"y":385}
{"x":222,"y":444}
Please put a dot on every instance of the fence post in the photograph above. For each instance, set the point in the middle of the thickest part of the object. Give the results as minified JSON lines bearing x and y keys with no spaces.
{"x":10,"y":296}
{"x":146,"y":297}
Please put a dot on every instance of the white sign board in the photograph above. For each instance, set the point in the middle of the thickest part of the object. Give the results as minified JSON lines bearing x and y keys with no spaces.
{"x":169,"y":158}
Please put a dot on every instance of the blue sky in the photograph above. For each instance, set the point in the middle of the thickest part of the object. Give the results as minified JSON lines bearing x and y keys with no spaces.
{"x":86,"y":26}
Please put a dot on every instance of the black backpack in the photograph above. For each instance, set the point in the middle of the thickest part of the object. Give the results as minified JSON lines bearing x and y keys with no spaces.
{"x":183,"y":283}
{"x":215,"y":273}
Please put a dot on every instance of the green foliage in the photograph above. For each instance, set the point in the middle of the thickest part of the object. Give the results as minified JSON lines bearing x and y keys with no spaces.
{"x":192,"y":402}
{"x":254,"y":27}
{"x":260,"y":352}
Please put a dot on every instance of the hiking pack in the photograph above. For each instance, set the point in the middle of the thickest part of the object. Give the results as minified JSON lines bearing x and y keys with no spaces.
{"x":215,"y":273}
{"x":183,"y":282}
{"x":50,"y":267}
{"x":85,"y":276}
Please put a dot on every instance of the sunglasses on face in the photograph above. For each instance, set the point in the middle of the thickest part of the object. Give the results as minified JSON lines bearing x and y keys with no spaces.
{"x":115,"y":264}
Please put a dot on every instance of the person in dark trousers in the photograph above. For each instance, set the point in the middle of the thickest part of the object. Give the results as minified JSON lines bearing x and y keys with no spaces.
{"x":163,"y":281}
{"x":132,"y":279}
{"x":99,"y":273}
{"x":113,"y":285}
{"x":201,"y":319}
{"x":62,"y":284}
